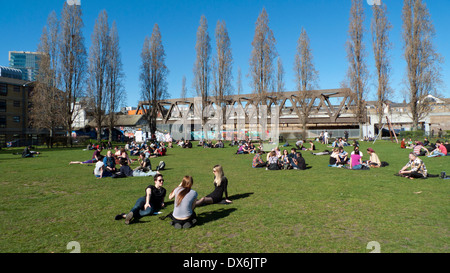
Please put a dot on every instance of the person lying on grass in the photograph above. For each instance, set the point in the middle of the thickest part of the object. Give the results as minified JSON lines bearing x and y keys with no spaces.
{"x":220,"y":188}
{"x":95,"y":157}
{"x":152,"y":202}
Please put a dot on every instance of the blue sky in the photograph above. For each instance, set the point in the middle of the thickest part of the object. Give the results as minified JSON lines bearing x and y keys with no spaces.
{"x":326,"y":22}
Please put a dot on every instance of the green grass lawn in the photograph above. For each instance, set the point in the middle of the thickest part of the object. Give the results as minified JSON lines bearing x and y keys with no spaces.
{"x":46,"y":203}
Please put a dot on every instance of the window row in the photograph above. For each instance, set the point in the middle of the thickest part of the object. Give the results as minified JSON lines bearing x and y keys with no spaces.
{"x":3,"y":105}
{"x":3,"y":120}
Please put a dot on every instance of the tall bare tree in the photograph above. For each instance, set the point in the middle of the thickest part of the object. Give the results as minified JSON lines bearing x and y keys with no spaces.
{"x":262,"y":57}
{"x":202,"y":66}
{"x":97,"y":82}
{"x":239,"y":81}
{"x":423,"y":62}
{"x":357,"y":71}
{"x":306,"y":77}
{"x":281,"y":87}
{"x":153,"y":75}
{"x":114,"y":74}
{"x":73,"y":62}
{"x":47,"y":102}
{"x":380,"y":27}
{"x":222,"y":63}
{"x":183,"y":88}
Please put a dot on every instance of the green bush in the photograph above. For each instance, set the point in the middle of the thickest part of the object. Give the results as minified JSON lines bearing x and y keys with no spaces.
{"x":419,"y":134}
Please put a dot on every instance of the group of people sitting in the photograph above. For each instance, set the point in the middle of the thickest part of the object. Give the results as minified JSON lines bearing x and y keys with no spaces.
{"x":276,"y":160}
{"x":209,"y":144}
{"x":154,"y":148}
{"x":117,"y":165}
{"x":183,"y":214}
{"x":340,"y":158}
{"x":426,"y":148}
{"x":247,"y":147}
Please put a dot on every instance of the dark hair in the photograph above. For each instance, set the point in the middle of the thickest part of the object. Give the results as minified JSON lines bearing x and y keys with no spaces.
{"x":156,"y":176}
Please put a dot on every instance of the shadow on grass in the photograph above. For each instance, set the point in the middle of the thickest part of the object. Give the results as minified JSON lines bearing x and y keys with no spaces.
{"x":214,"y":215}
{"x":239,"y":196}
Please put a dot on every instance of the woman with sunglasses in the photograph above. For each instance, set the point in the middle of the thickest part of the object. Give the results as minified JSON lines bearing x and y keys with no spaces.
{"x":220,"y":187}
{"x":147,"y":205}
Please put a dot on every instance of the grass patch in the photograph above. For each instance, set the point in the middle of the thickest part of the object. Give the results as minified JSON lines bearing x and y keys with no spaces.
{"x":45,"y":204}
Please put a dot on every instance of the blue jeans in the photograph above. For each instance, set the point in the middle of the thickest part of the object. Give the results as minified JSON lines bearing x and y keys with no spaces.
{"x":138,"y":209}
{"x":357,"y":167}
{"x":434,"y":154}
{"x":141,"y":173}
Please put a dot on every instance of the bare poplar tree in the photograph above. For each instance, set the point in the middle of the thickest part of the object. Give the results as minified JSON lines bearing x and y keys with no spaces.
{"x":357,"y":71}
{"x":153,"y":75}
{"x":280,"y":77}
{"x":202,"y":66}
{"x":262,"y":57}
{"x":222,"y":64}
{"x":183,"y":88}
{"x":239,"y":81}
{"x":114,"y":73}
{"x":47,"y":102}
{"x":423,"y":71}
{"x":97,"y":82}
{"x":306,"y":77}
{"x":380,"y":42}
{"x":73,"y":62}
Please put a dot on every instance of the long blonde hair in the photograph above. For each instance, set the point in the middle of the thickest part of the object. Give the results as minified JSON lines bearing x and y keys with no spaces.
{"x":219,"y":174}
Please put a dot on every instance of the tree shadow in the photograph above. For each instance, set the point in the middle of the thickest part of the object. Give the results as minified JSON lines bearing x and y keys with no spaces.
{"x":206,"y":217}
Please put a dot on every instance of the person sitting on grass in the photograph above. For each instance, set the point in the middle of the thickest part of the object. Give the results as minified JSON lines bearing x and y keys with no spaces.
{"x":152,"y":202}
{"x":144,"y":163}
{"x":355,"y":159}
{"x":374,"y":161}
{"x":417,"y":168}
{"x":183,"y":215}
{"x":99,"y":170}
{"x":343,"y":156}
{"x":257,"y":160}
{"x":300,"y":162}
{"x":312,"y":146}
{"x":293,"y":158}
{"x":403,"y":144}
{"x":334,"y":158}
{"x":440,"y":150}
{"x":110,"y":162}
{"x":285,"y":160}
{"x":220,"y":188}
{"x":272,"y":161}
{"x":419,"y":149}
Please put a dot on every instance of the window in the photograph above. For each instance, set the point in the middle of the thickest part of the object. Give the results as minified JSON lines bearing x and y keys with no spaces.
{"x":16,"y":88}
{"x":16,"y":119}
{"x":16,"y":103}
{"x":3,"y":89}
{"x":2,"y":105}
{"x":2,"y":121}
